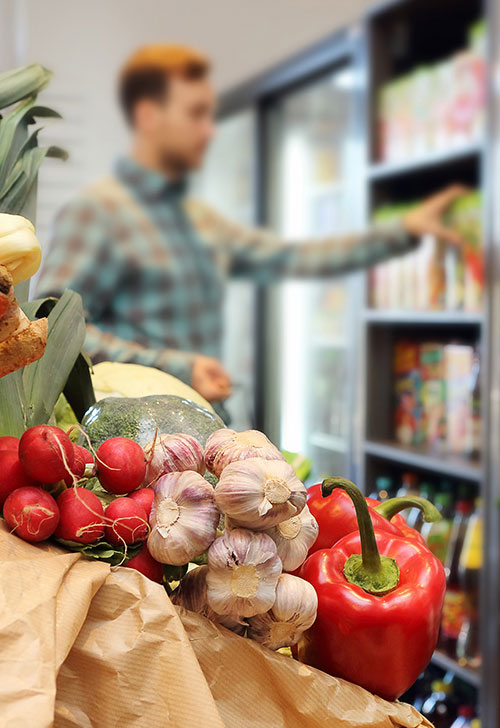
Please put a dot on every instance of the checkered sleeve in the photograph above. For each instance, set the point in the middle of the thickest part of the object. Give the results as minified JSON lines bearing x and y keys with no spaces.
{"x":264,"y":256}
{"x":82,"y":257}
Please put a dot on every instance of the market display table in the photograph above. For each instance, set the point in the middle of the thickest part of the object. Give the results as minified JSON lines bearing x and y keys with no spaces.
{"x":82,"y":645}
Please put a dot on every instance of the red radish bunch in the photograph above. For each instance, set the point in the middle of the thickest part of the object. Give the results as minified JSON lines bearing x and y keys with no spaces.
{"x":12,"y":475}
{"x":78,"y":468}
{"x":46,"y":453}
{"x":144,"y":562}
{"x":31,"y":513}
{"x":120,"y":465}
{"x":127,"y":522}
{"x":144,"y":496}
{"x":82,"y":516}
{"x":7,"y":442}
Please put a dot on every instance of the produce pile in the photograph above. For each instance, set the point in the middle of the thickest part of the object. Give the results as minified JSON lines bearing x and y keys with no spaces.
{"x":232,"y":534}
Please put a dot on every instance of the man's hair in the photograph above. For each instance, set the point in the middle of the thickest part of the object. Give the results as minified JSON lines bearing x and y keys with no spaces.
{"x":146,"y":73}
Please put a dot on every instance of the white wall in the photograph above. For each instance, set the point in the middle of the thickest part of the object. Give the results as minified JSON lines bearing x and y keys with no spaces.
{"x":85,"y":41}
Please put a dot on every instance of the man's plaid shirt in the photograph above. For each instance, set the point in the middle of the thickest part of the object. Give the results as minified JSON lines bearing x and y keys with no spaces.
{"x":151,"y":265}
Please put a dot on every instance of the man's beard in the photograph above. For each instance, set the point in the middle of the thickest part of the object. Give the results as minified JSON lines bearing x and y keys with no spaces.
{"x":175,"y":164}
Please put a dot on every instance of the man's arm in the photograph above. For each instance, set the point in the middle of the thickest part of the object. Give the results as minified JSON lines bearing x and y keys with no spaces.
{"x":265,"y":256}
{"x":83,"y":257}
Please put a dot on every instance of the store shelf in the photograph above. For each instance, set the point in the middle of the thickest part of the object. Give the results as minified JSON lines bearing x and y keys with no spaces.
{"x":328,"y":442}
{"x":386,"y":170}
{"x":472,"y":677}
{"x":420,"y":318}
{"x":419,"y":457}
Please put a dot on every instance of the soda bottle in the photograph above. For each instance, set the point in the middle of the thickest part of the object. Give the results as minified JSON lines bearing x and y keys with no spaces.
{"x":468,"y":648}
{"x":437,"y":534}
{"x":454,"y":612}
{"x":438,"y":707}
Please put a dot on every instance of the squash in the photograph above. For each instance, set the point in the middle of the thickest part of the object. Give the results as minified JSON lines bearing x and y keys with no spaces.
{"x":140,"y":417}
{"x":115,"y":379}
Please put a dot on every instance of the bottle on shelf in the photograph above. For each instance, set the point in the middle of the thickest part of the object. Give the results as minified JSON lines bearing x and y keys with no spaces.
{"x":426,"y":490}
{"x":465,"y":717}
{"x":409,"y":486}
{"x":470,"y":562}
{"x":476,"y":405}
{"x":384,"y":488}
{"x":437,"y":534}
{"x":438,"y":707}
{"x":454,"y":609}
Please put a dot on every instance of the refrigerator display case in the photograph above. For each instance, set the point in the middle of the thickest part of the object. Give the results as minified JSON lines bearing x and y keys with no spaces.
{"x":227,"y":182}
{"x":312,"y":171}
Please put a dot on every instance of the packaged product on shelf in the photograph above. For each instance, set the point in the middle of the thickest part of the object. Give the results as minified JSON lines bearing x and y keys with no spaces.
{"x":465,"y":216}
{"x":421,"y":81}
{"x":468,"y":648}
{"x":469,"y":98}
{"x":437,"y":534}
{"x":440,"y":108}
{"x":407,"y":387}
{"x":458,"y":366}
{"x":433,"y":395}
{"x":454,"y":607}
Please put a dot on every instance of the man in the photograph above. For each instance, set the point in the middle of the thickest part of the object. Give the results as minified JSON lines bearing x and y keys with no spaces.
{"x":151,"y":264}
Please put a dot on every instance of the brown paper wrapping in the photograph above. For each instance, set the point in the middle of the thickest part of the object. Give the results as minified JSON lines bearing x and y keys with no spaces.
{"x":85,"y":646}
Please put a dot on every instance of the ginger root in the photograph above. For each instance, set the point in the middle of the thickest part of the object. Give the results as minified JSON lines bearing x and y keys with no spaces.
{"x":21,"y":341}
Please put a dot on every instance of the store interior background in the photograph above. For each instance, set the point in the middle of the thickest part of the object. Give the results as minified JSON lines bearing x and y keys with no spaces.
{"x":312,"y":363}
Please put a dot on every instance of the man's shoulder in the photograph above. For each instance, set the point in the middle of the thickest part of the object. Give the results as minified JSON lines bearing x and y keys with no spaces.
{"x":107,"y":193}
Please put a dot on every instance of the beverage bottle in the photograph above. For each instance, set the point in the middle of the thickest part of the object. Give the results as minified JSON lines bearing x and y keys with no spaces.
{"x":437,"y":534}
{"x":476,"y":405}
{"x":453,"y":614}
{"x":469,"y":569}
{"x":464,"y":718}
{"x":427,"y":491}
{"x":383,"y":488}
{"x":409,"y":486}
{"x":438,"y":707}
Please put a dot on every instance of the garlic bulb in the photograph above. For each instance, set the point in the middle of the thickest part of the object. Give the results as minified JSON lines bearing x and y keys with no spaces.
{"x":172,"y":454}
{"x":184,"y":518}
{"x":293,"y":612}
{"x":243,"y":570}
{"x":258,"y":493}
{"x":294,"y":538}
{"x":192,"y":594}
{"x":226,"y":446}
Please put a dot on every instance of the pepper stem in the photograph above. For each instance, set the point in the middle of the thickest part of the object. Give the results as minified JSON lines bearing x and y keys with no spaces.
{"x":369,"y":570}
{"x":391,"y":507}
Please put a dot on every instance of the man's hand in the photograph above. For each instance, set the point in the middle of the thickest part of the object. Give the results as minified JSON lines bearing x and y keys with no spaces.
{"x":426,"y":219}
{"x":210,"y":379}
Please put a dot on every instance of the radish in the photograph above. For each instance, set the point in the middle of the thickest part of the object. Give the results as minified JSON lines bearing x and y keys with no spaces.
{"x":120,"y":465}
{"x":82,"y":516}
{"x":129,"y":522}
{"x":7,"y":442}
{"x":86,"y":454}
{"x":144,"y":496}
{"x":31,"y":513}
{"x":12,"y":476}
{"x":78,"y":468}
{"x":144,"y":562}
{"x":46,"y":453}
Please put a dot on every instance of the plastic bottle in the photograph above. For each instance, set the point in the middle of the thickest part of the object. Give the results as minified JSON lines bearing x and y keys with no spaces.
{"x":437,"y":708}
{"x":468,"y":648}
{"x":464,"y":718}
{"x":437,"y":534}
{"x":454,"y":608}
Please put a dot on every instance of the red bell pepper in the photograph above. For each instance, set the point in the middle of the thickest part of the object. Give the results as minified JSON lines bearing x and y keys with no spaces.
{"x":380,"y":596}
{"x":336,"y":516}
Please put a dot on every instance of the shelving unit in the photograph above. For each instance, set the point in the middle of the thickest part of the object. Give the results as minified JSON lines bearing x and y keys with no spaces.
{"x":388,"y":42}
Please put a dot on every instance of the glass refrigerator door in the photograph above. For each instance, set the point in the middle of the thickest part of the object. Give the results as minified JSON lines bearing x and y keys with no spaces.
{"x":313,"y":192}
{"x":227,"y":182}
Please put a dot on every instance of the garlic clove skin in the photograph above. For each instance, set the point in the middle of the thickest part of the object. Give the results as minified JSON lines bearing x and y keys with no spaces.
{"x":293,"y":611}
{"x":243,"y":570}
{"x":170,"y":454}
{"x":227,"y":446}
{"x":259,"y":494}
{"x":184,"y":518}
{"x":192,"y":595}
{"x":294,"y":538}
